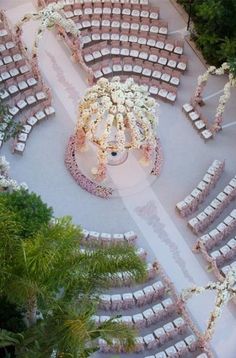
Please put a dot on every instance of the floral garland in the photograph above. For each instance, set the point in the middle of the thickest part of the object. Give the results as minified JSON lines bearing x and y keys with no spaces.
{"x":123,"y":108}
{"x":49,"y":17}
{"x":202,"y":81}
{"x":80,"y":178}
{"x":6,"y":183}
{"x":225,"y":291}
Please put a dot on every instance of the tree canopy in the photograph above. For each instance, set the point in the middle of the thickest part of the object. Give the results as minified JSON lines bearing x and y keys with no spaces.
{"x":54,"y":280}
{"x":214,"y":28}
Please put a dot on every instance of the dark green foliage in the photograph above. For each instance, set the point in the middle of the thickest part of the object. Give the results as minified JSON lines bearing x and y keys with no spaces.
{"x":10,"y":322}
{"x":29,"y":210}
{"x":215,"y":28}
{"x":10,"y":316}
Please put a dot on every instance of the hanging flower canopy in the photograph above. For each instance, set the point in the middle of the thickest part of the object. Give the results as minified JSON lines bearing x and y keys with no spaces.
{"x":117,"y":116}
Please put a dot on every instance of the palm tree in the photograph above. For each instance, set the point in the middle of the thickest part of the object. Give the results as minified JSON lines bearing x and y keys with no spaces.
{"x":49,"y":272}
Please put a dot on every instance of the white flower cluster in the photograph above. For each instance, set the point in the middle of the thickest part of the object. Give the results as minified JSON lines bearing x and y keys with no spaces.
{"x":4,"y":166}
{"x":49,"y":17}
{"x":6,"y":183}
{"x":225,"y":291}
{"x":125,"y":106}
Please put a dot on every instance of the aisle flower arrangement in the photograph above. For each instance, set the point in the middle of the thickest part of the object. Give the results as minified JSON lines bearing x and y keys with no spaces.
{"x":123,"y":108}
{"x":49,"y":17}
{"x":6,"y":183}
{"x":225,"y":292}
{"x":202,"y":81}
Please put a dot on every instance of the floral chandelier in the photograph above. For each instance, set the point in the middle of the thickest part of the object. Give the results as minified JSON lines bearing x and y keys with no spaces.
{"x":117,"y":116}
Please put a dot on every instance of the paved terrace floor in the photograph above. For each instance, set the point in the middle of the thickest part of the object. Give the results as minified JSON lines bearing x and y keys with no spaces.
{"x":150,"y":211}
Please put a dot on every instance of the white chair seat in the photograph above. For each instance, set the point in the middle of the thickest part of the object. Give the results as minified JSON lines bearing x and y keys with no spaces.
{"x":207,"y":134}
{"x":124,"y":52}
{"x":182,"y":66}
{"x":96,"y":37}
{"x":88,"y":57}
{"x":153,"y":58}
{"x":147,"y":72}
{"x":144,"y":28}
{"x":98,"y":74}
{"x":199,"y":124}
{"x":154,"y":29}
{"x":162,"y":60}
{"x":21,"y":104}
{"x":32,"y":81}
{"x":143,"y":55}
{"x":95,"y":23}
{"x":31,"y":99}
{"x":160,"y":44}
{"x":14,"y":72}
{"x":134,"y":26}
{"x":156,"y":74}
{"x":133,"y":39}
{"x":105,"y":51}
{"x":174,"y":81}
{"x":115,"y":51}
{"x":117,"y":68}
{"x":97,"y":54}
{"x":115,"y":24}
{"x":172,"y":63}
{"x":5,"y":75}
{"x":178,"y":50}
{"x":142,"y":40}
{"x":13,"y":89}
{"x":23,"y":137}
{"x":106,"y":70}
{"x":22,"y":85}
{"x":151,"y":42}
{"x":27,"y":128}
{"x":153,"y":90}
{"x":49,"y":110}
{"x":162,"y":93}
{"x":169,"y":47}
{"x":19,"y":147}
{"x":134,"y":53}
{"x":165,"y":77}
{"x":163,"y":30}
{"x":32,"y":120}
{"x":137,"y":69}
{"x":124,"y":38}
{"x":40,"y":115}
{"x":40,"y":95}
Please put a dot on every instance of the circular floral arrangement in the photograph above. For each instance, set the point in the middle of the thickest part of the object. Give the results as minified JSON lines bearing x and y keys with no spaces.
{"x":117,"y":116}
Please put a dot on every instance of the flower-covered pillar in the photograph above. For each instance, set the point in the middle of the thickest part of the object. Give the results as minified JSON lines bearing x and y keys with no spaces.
{"x":49,"y":17}
{"x":225,"y":292}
